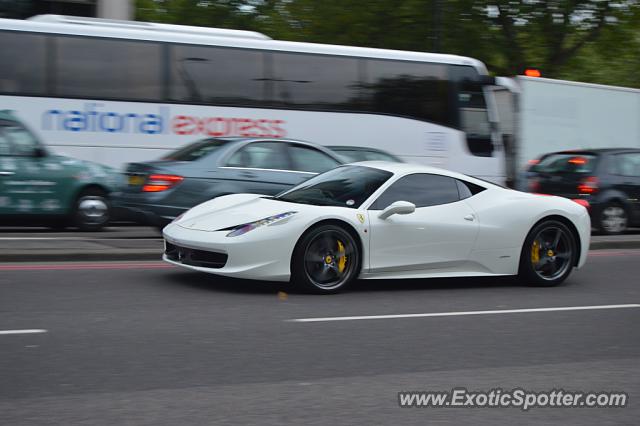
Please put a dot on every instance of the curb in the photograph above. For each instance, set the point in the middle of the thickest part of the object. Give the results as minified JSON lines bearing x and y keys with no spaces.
{"x":606,"y":245}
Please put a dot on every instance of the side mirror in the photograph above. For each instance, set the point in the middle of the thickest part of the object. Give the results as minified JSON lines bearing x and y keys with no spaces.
{"x":39,"y":152}
{"x":399,"y":207}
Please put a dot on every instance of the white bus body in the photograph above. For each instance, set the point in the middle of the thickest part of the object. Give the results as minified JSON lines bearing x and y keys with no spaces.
{"x":132,"y":125}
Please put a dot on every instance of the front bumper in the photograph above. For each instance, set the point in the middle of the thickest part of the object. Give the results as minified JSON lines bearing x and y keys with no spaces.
{"x":266,"y":257}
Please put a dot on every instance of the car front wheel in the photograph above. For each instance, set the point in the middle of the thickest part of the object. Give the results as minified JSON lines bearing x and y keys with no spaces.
{"x":326,"y":260}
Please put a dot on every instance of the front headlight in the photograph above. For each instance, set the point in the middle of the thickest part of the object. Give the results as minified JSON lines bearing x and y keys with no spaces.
{"x":246,"y":227}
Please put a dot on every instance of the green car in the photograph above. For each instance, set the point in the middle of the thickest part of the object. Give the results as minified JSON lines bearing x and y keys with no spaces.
{"x":37,"y":187}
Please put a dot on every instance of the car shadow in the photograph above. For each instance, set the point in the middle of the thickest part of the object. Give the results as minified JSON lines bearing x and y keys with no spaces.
{"x":210,"y":282}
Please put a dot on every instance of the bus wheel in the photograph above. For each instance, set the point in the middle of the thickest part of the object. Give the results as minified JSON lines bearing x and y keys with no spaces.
{"x":92,"y":210}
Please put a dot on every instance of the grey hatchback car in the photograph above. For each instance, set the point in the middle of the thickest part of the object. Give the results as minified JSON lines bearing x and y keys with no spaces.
{"x":158,"y":191}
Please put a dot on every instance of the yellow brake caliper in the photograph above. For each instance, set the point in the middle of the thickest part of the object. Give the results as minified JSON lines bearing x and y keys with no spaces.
{"x":535,"y":252}
{"x":342,"y":258}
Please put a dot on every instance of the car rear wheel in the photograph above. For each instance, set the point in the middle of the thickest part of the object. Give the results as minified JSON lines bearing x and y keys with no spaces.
{"x":326,"y":260}
{"x":548,"y":255}
{"x":92,"y":210}
{"x":613,"y":219}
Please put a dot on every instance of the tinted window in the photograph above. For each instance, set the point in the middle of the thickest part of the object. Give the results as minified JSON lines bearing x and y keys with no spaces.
{"x":565,"y":163}
{"x":23,"y":142}
{"x":216,"y":75}
{"x":420,"y":189}
{"x":626,"y":164}
{"x":314,"y":81}
{"x":472,"y":109}
{"x":411,"y":89}
{"x":347,"y":186}
{"x":308,"y":159}
{"x":5,"y":147}
{"x":99,"y":68}
{"x":466,"y":189}
{"x":195,"y":150}
{"x":22,"y":63}
{"x":260,"y":155}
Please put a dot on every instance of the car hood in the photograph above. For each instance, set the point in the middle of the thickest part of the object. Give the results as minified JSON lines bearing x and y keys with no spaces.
{"x":232,"y":210}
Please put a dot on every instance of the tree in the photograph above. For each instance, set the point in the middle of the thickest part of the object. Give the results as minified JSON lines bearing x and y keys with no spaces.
{"x":588,"y":40}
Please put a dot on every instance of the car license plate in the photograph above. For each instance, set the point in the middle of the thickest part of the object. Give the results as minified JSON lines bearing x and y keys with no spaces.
{"x":136,"y":180}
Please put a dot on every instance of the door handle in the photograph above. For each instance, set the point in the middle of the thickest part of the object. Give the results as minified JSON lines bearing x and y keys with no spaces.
{"x":7,"y":173}
{"x":469,"y":217}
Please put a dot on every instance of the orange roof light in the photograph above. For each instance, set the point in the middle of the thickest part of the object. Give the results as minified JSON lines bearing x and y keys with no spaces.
{"x":532,"y":72}
{"x":578,"y":160}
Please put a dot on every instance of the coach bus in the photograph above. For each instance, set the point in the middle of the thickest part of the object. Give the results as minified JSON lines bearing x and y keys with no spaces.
{"x":121,"y":91}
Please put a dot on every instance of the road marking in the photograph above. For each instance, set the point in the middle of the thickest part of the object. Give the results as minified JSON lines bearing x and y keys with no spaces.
{"x":463,"y":313}
{"x":27,"y":331}
{"x":84,"y":266}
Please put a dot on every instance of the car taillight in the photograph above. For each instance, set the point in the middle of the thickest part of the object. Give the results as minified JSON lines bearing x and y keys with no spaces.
{"x":534,"y":185}
{"x":588,"y":185}
{"x":157,"y":183}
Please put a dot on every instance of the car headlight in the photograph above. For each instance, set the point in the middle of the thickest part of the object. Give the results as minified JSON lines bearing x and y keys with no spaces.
{"x":246,"y":227}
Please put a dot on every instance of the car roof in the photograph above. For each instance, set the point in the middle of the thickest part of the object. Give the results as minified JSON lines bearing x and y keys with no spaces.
{"x":355,"y":148}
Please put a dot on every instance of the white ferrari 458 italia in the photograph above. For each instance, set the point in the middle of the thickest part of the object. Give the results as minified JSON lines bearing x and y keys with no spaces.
{"x":382,"y":220}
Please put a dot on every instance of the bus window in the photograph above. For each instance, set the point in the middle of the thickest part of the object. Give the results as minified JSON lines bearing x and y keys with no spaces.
{"x":102,"y":68}
{"x":472,"y":108}
{"x":216,"y":75}
{"x":408,"y":89}
{"x":315,"y":81}
{"x":22,"y":63}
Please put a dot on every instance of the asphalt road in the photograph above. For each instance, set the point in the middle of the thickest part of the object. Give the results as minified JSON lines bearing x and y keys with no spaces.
{"x":148,"y":344}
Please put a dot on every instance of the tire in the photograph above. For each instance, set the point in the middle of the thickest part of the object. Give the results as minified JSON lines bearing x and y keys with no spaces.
{"x":612,"y":219}
{"x":325,"y":260}
{"x":548,"y":254}
{"x":92,"y":210}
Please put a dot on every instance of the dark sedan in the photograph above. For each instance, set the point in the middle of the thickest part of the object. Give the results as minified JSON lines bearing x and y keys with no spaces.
{"x":158,"y":191}
{"x":606,"y":181}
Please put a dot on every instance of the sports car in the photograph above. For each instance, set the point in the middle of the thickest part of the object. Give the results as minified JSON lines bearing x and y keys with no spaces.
{"x":382,"y":220}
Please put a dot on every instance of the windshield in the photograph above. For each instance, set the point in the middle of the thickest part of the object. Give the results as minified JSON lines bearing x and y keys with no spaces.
{"x":195,"y":150}
{"x":347,"y":186}
{"x":566,"y":163}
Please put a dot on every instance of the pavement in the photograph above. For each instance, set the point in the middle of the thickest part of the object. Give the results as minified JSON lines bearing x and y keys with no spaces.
{"x":146,"y":343}
{"x":144,"y":243}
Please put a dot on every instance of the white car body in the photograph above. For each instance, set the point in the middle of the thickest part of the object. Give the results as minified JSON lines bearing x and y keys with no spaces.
{"x":482,"y":235}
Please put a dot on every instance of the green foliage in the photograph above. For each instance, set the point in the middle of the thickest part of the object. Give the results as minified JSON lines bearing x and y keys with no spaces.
{"x":587,"y":40}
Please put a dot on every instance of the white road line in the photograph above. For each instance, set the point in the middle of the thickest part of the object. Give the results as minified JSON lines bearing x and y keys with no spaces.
{"x":453,"y":314}
{"x":27,"y":331}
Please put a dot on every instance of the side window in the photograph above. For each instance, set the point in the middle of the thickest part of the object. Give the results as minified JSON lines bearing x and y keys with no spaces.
{"x":626,"y":165}
{"x":467,"y":189}
{"x":216,"y":75}
{"x":423,"y":190}
{"x":411,"y":89}
{"x":5,"y":147}
{"x":102,"y":68}
{"x":23,"y":141}
{"x":306,"y":159}
{"x":22,"y":63}
{"x":260,"y":155}
{"x":473,"y":116}
{"x":315,"y":81}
